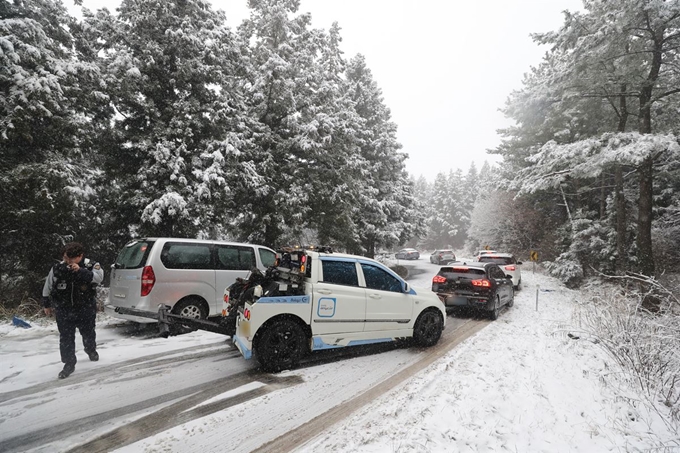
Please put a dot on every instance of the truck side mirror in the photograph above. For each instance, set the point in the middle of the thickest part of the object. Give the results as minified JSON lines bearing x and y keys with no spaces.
{"x":407,"y":287}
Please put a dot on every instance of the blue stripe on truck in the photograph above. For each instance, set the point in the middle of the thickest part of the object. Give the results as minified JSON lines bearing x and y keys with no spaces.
{"x":284,"y":300}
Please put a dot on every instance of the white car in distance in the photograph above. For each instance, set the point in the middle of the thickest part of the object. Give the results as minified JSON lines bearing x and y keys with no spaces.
{"x":508,"y":263}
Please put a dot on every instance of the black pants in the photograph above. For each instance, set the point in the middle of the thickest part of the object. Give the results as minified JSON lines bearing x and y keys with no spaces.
{"x":68,"y":319}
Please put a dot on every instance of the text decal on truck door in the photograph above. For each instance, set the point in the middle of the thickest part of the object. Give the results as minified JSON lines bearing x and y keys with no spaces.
{"x":326,"y":307}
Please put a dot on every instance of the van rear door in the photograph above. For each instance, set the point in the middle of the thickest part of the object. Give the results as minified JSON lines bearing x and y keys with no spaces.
{"x":126,"y":273}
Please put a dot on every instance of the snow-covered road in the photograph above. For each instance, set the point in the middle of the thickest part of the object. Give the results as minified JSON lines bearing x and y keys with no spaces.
{"x":519,"y":384}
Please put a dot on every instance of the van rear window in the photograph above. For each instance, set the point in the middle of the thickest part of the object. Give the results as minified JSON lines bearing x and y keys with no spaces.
{"x":133,"y":255}
{"x":235,"y":258}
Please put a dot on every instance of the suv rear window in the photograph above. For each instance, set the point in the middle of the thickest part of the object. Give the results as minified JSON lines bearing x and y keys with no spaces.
{"x":133,"y":255}
{"x":461,"y":272}
{"x":496,"y":259}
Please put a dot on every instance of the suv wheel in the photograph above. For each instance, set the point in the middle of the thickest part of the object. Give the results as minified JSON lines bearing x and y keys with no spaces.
{"x":496,"y":309}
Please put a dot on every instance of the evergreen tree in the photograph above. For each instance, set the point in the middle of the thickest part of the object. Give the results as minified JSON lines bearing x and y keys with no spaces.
{"x":301,"y":139}
{"x":602,"y":59}
{"x":387,"y":213}
{"x":51,"y":107}
{"x":171,"y":71}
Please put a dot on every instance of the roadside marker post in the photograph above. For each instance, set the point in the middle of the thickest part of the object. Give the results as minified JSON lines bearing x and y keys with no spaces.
{"x":537,"y":288}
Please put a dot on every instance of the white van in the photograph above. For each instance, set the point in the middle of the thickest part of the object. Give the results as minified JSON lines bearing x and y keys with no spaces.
{"x":189,"y":275}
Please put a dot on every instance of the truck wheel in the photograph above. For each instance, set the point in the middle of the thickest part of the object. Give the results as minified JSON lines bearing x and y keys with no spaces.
{"x":428,"y":328}
{"x":280,"y":346}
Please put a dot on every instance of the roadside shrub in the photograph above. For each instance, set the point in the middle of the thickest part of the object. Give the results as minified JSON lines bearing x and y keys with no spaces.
{"x":567,"y":268}
{"x":644,"y":345}
{"x":401,"y":271}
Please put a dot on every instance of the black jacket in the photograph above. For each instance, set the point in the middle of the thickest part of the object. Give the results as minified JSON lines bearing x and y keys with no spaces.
{"x":66,"y":288}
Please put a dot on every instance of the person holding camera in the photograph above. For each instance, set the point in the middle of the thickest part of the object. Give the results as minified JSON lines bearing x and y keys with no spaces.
{"x":70,"y":290}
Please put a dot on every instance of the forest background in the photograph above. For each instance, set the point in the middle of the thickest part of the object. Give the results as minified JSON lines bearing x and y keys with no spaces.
{"x":160,"y":120}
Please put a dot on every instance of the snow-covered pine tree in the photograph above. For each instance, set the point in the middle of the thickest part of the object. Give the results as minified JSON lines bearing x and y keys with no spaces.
{"x":51,"y":106}
{"x":171,"y":71}
{"x":387,"y":213}
{"x":294,"y":102}
{"x":614,"y":53}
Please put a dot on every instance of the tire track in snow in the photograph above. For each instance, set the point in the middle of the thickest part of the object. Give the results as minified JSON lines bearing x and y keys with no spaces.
{"x":168,"y":416}
{"x":141,"y":363}
{"x":304,"y":433}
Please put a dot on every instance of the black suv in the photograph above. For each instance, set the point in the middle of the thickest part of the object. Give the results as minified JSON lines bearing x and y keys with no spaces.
{"x":482,"y":286}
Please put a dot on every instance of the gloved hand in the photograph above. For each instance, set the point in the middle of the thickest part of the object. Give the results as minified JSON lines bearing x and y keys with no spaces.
{"x":46,"y":302}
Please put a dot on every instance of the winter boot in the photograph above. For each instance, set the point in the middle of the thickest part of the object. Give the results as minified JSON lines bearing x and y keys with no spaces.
{"x":66,"y":372}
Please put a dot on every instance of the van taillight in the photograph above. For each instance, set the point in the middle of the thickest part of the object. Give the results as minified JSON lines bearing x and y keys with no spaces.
{"x":439,"y":279}
{"x":148,"y":280}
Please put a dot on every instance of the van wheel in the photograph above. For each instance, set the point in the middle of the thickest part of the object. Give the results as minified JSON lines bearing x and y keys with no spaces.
{"x":191,"y":308}
{"x":280,"y":346}
{"x":428,"y":328}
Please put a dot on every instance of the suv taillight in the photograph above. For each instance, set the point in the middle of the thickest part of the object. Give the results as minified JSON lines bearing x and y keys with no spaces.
{"x":484,"y":283}
{"x":148,"y":280}
{"x":510,"y":268}
{"x":439,"y":279}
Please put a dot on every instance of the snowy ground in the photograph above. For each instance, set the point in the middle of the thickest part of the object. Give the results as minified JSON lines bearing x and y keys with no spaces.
{"x":521,"y":384}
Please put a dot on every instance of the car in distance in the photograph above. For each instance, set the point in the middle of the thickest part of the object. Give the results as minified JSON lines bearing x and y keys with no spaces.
{"x":477,"y":285}
{"x":483,"y":252}
{"x":443,"y":256}
{"x":407,"y":254}
{"x":508,"y":263}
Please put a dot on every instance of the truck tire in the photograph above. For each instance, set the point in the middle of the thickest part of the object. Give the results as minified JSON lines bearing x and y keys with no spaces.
{"x":428,"y":328}
{"x":280,"y":346}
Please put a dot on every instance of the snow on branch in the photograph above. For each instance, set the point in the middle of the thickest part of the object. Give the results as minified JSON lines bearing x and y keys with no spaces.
{"x":554,"y":162}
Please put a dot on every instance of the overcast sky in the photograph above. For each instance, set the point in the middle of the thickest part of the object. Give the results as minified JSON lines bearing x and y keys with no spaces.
{"x":445,"y":66}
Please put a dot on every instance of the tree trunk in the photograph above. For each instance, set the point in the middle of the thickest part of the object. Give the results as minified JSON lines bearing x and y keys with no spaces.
{"x":603,"y":196}
{"x":646,"y":169}
{"x":620,"y":203}
{"x":644,"y":239}
{"x":619,"y":198}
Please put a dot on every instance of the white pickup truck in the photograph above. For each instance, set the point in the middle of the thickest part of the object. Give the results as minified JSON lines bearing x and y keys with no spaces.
{"x":322,"y":300}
